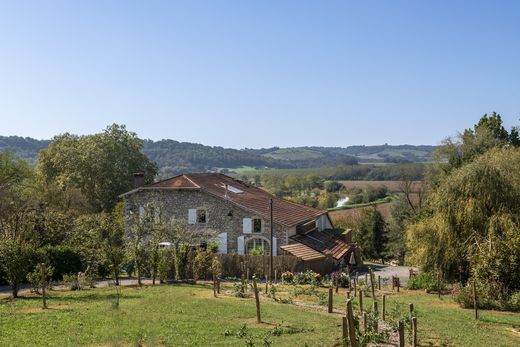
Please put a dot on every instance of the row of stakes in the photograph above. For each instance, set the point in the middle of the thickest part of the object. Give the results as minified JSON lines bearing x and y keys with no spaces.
{"x":348,"y":321}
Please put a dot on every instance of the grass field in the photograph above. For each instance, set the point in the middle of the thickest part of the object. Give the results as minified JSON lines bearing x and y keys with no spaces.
{"x":185,"y":315}
{"x":157,"y":316}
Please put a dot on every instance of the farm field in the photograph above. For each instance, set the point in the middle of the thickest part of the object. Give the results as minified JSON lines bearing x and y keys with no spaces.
{"x":184,"y":315}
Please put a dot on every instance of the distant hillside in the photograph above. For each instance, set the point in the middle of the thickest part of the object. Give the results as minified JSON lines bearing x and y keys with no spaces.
{"x":369,"y":154}
{"x":174,"y":157}
{"x":22,"y":147}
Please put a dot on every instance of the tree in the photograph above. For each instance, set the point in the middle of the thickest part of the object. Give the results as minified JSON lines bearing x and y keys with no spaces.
{"x":100,"y":165}
{"x":472,"y":223}
{"x":15,"y":261}
{"x":371,"y":234}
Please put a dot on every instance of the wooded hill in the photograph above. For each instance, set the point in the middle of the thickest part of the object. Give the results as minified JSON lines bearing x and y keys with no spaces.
{"x":173,"y":157}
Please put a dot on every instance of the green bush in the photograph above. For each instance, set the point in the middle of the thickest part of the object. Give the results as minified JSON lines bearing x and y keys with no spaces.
{"x":424,"y":280}
{"x":64,"y":260}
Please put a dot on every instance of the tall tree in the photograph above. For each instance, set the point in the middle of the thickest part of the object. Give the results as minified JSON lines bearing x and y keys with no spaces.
{"x":371,"y":234}
{"x":99,"y":165}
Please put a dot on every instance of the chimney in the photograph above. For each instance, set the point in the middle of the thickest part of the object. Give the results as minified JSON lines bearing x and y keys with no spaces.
{"x":138,"y":179}
{"x":225,"y":191}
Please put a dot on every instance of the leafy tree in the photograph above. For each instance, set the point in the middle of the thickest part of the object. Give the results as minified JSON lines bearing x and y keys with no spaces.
{"x":472,"y":223}
{"x":99,"y":165}
{"x":15,"y":260}
{"x":371,"y":234}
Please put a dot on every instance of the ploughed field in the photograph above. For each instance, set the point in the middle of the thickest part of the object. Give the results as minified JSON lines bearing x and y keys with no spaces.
{"x":184,"y":315}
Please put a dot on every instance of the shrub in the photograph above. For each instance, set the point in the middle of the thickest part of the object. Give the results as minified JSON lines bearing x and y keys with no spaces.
{"x":287,"y":277}
{"x":64,"y":260}
{"x":35,"y":278}
{"x":424,"y":280}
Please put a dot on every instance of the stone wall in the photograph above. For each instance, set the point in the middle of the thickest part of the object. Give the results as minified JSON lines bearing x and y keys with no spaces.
{"x":176,"y":203}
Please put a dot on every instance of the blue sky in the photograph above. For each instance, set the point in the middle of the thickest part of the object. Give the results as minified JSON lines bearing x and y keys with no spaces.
{"x":259,"y":73}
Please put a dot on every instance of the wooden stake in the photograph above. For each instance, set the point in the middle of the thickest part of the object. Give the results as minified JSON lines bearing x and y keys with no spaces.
{"x":214,"y":285}
{"x":383,"y":308}
{"x":410,"y":307}
{"x":344,"y":324}
{"x":439,"y":284}
{"x":372,"y":284}
{"x":44,"y":285}
{"x":330,"y":300}
{"x":218,"y":284}
{"x":398,"y":284}
{"x":401,"y":333}
{"x":374,"y":308}
{"x":361,"y":300}
{"x":366,"y":279}
{"x":365,"y":319}
{"x":257,"y":301}
{"x":355,"y":288}
{"x":337,"y":283}
{"x":351,"y":324}
{"x":379,"y":282}
{"x":393,"y":283}
{"x":414,"y":331}
{"x":475,"y":300}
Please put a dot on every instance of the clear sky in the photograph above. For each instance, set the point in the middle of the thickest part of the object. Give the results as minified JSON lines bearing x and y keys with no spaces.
{"x":259,"y":73}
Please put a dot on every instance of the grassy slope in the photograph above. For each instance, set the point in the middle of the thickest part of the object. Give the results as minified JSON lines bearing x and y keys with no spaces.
{"x":161,"y":315}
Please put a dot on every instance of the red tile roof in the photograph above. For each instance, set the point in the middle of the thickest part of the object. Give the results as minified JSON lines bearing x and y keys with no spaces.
{"x":324,"y":243}
{"x":248,"y":197}
{"x":303,"y":252}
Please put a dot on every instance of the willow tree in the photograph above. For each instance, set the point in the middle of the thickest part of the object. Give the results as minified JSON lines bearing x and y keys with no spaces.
{"x":471,"y":226}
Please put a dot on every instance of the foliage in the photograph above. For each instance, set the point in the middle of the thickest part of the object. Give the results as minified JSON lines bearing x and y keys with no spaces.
{"x":100,"y":165}
{"x":287,"y":277}
{"x":201,"y":263}
{"x":424,"y":280}
{"x":240,"y":290}
{"x":63,"y":259}
{"x":371,"y":234}
{"x":37,"y":280}
{"x":15,"y":260}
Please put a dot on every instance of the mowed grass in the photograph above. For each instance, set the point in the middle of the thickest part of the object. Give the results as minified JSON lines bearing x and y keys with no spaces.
{"x":441,"y":322}
{"x":166,"y":315}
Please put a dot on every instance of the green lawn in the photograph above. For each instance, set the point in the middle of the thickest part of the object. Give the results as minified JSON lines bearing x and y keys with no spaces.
{"x":164,"y":315}
{"x":183,"y":315}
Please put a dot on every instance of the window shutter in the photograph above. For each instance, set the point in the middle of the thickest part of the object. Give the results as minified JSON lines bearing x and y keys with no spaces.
{"x":192,"y":216}
{"x":248,"y":225}
{"x":275,"y":246}
{"x":141,"y":212}
{"x":222,"y":243}
{"x":240,"y":245}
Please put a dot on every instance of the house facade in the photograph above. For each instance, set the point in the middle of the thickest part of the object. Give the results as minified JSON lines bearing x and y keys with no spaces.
{"x":240,"y":214}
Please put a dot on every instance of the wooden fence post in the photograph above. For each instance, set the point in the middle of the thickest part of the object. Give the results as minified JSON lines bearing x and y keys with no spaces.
{"x":374,"y":308}
{"x":351,"y":324}
{"x":379,"y":282}
{"x":44,"y":284}
{"x":355,"y":287}
{"x":401,"y":333}
{"x":266,"y":285}
{"x":366,"y":279}
{"x":337,"y":283}
{"x":383,"y":308}
{"x":365,"y":319}
{"x":439,"y":283}
{"x":414,"y":331}
{"x":257,"y":301}
{"x":330,"y":300}
{"x":344,"y":325}
{"x":372,"y":284}
{"x":398,"y":284}
{"x":393,"y":283}
{"x":214,"y":285}
{"x":475,"y":300}
{"x":361,"y":300}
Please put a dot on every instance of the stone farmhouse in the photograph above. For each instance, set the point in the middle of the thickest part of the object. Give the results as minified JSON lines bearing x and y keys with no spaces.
{"x":240,"y":214}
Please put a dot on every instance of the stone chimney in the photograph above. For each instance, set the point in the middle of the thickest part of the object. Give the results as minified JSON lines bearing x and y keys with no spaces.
{"x":138,"y":179}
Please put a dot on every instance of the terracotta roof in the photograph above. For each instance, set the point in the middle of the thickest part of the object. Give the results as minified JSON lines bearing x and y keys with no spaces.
{"x":324,"y":243}
{"x":239,"y":193}
{"x":303,"y":252}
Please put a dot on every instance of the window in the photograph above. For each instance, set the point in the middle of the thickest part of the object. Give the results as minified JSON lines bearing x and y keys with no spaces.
{"x":257,"y":225}
{"x":257,"y":246}
{"x":201,"y":216}
{"x":196,"y":216}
